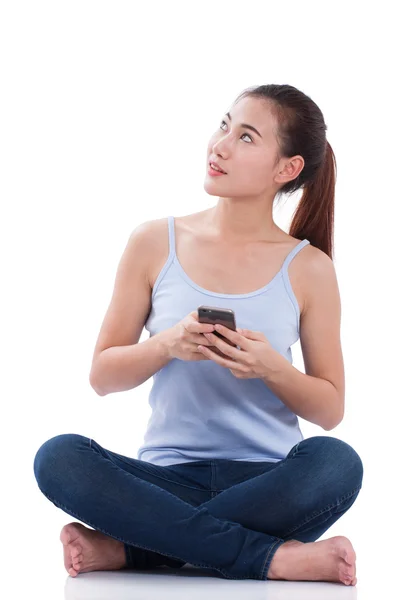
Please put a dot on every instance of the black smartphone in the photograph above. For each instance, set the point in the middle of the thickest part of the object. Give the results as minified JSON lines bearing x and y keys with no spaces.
{"x":215,"y":314}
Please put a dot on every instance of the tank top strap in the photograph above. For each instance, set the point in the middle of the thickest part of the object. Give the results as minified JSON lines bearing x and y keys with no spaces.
{"x":293,"y":253}
{"x":171,"y":235}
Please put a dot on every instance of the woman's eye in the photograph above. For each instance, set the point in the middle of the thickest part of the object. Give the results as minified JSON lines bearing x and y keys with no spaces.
{"x":241,"y":135}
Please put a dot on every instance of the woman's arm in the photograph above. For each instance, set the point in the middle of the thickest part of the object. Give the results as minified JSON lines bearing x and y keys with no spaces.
{"x":318,"y":394}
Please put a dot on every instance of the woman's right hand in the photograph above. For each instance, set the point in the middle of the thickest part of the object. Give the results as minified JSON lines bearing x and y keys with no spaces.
{"x":183,"y":338}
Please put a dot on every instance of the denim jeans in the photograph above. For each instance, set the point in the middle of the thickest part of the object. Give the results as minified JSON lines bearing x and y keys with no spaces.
{"x":224,"y":515}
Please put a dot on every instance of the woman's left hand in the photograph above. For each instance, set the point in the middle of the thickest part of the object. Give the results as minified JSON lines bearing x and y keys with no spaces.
{"x":250,"y":361}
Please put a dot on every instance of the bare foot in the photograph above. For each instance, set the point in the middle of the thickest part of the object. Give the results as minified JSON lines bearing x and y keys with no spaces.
{"x":328,"y":560}
{"x":88,"y":550}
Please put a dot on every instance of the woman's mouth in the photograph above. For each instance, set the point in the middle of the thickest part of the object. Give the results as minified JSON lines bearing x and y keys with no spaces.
{"x":214,"y":172}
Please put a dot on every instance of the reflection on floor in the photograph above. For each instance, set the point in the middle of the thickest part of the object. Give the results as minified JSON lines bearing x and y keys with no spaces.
{"x":194,"y":582}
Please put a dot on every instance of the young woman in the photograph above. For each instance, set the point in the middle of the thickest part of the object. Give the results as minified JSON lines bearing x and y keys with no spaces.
{"x":225,"y":479}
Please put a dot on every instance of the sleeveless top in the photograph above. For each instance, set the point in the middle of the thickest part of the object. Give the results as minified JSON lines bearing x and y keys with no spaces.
{"x":200,"y":410}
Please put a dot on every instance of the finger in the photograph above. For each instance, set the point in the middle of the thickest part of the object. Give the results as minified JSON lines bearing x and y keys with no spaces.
{"x":202,"y":327}
{"x":224,"y":346}
{"x":233,"y":336}
{"x":251,"y":335}
{"x":224,"y":362}
{"x":206,"y":328}
{"x":199,"y":327}
{"x":200,"y":338}
{"x":236,"y":373}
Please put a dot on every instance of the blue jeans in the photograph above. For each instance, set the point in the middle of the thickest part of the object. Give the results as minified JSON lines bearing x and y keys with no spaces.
{"x":228,"y":516}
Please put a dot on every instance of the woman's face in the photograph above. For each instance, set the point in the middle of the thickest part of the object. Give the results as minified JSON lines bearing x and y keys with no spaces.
{"x":248,"y":158}
{"x":245,"y":156}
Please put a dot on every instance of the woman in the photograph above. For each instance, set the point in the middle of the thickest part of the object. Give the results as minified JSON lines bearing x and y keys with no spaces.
{"x":225,"y":479}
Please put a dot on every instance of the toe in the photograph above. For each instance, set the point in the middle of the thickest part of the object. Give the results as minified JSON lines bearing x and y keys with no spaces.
{"x":65,"y":537}
{"x":77,"y":562}
{"x":349,"y":554}
{"x":76,"y":551}
{"x":348,"y":570}
{"x":346,"y":575}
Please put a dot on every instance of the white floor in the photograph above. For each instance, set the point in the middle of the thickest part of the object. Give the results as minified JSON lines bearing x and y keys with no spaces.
{"x":54,"y":583}
{"x":194,"y":583}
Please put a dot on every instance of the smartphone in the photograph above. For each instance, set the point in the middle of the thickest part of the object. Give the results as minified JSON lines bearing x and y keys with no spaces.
{"x":215,"y":314}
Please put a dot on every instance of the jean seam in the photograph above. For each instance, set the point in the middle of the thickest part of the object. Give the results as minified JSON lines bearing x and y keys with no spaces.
{"x":264,"y":569}
{"x":191,"y":487}
{"x":321,"y":512}
{"x":129,"y":543}
{"x":296,"y":449}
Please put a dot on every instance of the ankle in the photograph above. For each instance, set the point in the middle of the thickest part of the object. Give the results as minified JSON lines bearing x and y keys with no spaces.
{"x":276,"y":568}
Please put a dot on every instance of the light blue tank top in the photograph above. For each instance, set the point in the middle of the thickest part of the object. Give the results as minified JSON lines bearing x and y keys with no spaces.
{"x":200,"y":410}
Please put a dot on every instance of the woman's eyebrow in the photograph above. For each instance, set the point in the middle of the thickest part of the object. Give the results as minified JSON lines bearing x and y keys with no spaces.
{"x":246,"y":125}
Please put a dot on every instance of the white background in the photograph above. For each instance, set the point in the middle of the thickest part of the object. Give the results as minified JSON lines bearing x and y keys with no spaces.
{"x":106,"y":112}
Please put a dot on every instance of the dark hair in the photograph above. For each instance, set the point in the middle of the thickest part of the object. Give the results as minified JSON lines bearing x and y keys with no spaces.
{"x":301,"y":130}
